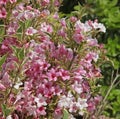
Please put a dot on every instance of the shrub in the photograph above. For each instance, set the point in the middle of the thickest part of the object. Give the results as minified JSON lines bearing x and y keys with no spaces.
{"x":50,"y":65}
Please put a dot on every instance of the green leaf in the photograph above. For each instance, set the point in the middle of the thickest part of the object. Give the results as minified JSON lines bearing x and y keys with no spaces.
{"x":1,"y":33}
{"x":2,"y":60}
{"x":19,"y":52}
{"x":28,"y":23}
{"x":1,"y":39}
{"x":65,"y":114}
{"x":5,"y":110}
{"x":112,"y":3}
{"x":1,"y":30}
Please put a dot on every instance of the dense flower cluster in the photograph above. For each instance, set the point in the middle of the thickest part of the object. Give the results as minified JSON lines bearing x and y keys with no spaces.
{"x":51,"y":63}
{"x":3,"y":12}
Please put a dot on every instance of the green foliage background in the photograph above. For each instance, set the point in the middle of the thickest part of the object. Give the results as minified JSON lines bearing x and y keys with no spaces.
{"x":107,"y":12}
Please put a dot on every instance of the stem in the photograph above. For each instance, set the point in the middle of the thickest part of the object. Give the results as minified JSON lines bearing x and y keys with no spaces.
{"x":110,"y":88}
{"x":108,"y":92}
{"x":112,"y":76}
{"x":74,"y":55}
{"x":85,"y":116}
{"x":117,"y":83}
{"x":23,"y":32}
{"x":14,"y":81}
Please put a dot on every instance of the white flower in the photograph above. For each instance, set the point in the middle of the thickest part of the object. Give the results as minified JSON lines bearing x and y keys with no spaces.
{"x":30,"y":31}
{"x":99,"y":26}
{"x":28,"y":14}
{"x":82,"y":103}
{"x":65,"y":101}
{"x":40,"y":100}
{"x":9,"y":117}
{"x":87,"y":27}
{"x":77,"y":87}
{"x":71,"y":116}
{"x":79,"y":26}
{"x":46,"y":27}
{"x":31,"y":110}
{"x":17,"y":85}
{"x":73,"y":107}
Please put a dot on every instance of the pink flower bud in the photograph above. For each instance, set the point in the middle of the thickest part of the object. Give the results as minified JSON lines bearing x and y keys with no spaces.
{"x":2,"y":87}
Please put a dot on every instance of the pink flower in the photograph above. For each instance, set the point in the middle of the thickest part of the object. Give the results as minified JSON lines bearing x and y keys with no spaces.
{"x":2,"y":87}
{"x":46,"y":28}
{"x":58,"y":113}
{"x":41,"y":111}
{"x":64,"y":74}
{"x":29,"y":7}
{"x":6,"y":80}
{"x":92,"y":42}
{"x":91,"y":106}
{"x":56,"y":16}
{"x":63,"y":53}
{"x":62,"y":32}
{"x":79,"y":27}
{"x":12,"y":1}
{"x":32,"y":110}
{"x":78,"y":38}
{"x":45,"y":2}
{"x":6,"y":45}
{"x":15,"y":116}
{"x":30,"y":31}
{"x":79,"y":74}
{"x":12,"y":28}
{"x":73,"y":107}
{"x":11,"y":99}
{"x":85,"y":86}
{"x":28,"y":15}
{"x":28,"y":85}
{"x":73,"y":19}
{"x":97,"y":99}
{"x":3,"y":13}
{"x":15,"y":13}
{"x":40,"y":100}
{"x":3,"y":2}
{"x":52,"y":75}
{"x":77,"y":87}
{"x":57,"y":90}
{"x":92,"y":56}
{"x":57,"y":3}
{"x":45,"y":13}
{"x":63,"y":22}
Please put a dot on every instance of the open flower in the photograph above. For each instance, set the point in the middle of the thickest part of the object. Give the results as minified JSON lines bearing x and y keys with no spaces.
{"x":3,"y":13}
{"x":30,"y":31}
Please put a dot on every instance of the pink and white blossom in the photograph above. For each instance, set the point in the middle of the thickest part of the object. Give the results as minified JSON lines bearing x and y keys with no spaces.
{"x":30,"y":31}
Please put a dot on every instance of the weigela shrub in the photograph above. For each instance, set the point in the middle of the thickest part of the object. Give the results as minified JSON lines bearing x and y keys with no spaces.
{"x":48,"y":64}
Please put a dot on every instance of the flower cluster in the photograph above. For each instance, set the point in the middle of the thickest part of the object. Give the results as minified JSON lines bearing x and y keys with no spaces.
{"x":3,"y":5}
{"x":51,"y":64}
